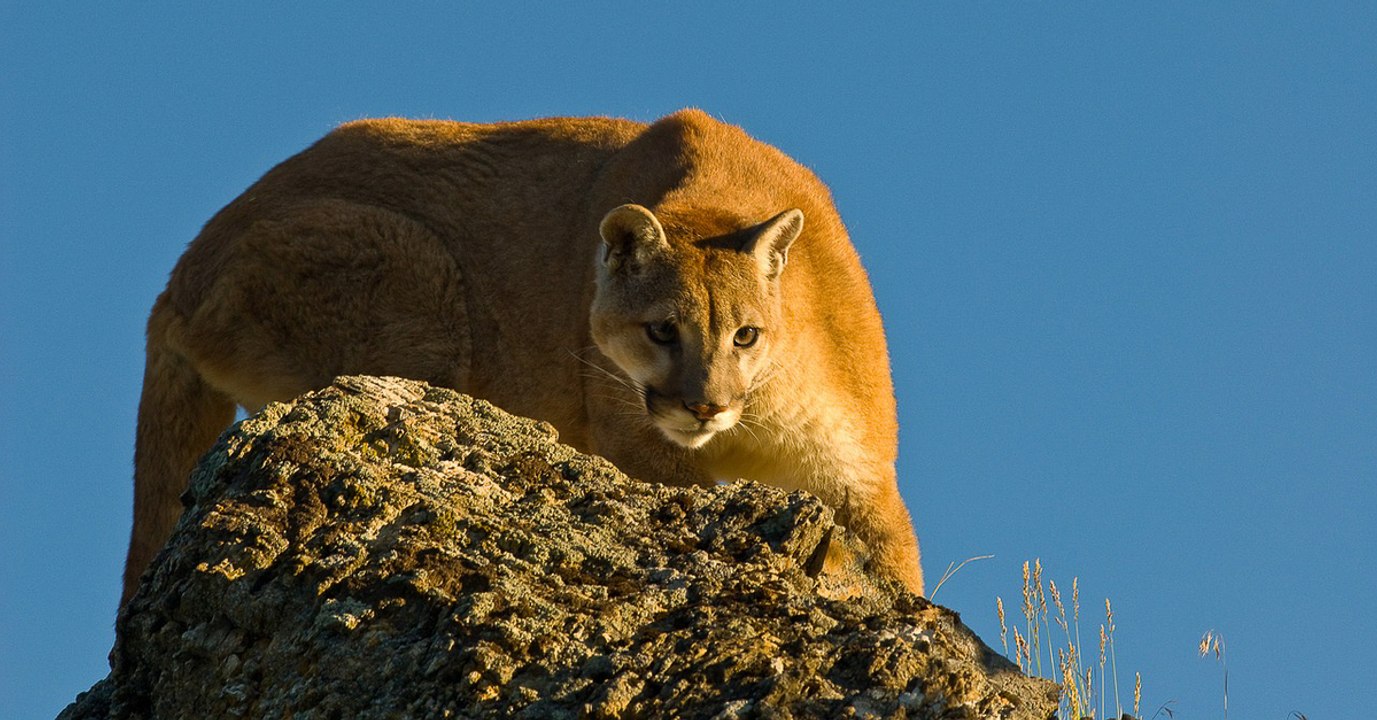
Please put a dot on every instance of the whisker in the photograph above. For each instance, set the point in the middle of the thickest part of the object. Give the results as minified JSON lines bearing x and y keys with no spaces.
{"x":602,"y":372}
{"x":637,"y":407}
{"x":746,"y":426}
{"x":765,"y":375}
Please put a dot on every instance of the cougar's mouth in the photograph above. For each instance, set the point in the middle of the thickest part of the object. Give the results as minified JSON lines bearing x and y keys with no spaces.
{"x":679,"y":425}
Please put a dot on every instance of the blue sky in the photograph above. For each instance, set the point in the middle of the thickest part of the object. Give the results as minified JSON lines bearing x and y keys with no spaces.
{"x":1126,"y":255}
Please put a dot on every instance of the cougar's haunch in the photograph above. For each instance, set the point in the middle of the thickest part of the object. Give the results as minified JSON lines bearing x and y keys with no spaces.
{"x":677,"y":297}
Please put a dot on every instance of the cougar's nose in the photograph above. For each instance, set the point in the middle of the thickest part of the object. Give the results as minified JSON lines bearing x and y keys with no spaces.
{"x":704,"y":411}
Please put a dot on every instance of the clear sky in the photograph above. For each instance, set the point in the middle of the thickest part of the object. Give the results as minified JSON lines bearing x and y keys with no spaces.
{"x":1126,"y":255}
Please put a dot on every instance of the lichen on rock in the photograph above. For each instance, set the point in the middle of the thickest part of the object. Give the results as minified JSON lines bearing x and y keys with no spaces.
{"x":386,"y":549}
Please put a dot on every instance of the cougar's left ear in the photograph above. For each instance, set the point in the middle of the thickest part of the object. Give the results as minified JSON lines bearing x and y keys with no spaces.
{"x":771,"y":240}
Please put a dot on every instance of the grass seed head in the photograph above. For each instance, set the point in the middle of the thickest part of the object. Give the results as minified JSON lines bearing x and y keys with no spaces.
{"x":1021,"y":651}
{"x":1027,"y":594}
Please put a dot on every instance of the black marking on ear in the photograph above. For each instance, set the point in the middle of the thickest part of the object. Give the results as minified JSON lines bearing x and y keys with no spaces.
{"x":771,"y":240}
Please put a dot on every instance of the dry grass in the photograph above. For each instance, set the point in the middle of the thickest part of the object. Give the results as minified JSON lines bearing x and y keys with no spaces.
{"x":1083,"y":682}
{"x":952,"y":569}
{"x":1086,"y":683}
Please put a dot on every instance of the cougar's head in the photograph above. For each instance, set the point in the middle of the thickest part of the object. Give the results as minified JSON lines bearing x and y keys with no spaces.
{"x":690,"y":316}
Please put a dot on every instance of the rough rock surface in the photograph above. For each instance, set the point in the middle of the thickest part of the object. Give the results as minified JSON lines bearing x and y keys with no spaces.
{"x":385,"y":549}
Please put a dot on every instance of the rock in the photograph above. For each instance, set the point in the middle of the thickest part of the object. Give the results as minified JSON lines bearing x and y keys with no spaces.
{"x":384,"y":549}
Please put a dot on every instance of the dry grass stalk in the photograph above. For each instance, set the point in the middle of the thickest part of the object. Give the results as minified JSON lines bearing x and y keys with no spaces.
{"x":1061,"y":611}
{"x":1071,"y":694}
{"x":1021,"y":652}
{"x":1043,"y":625}
{"x":1076,"y":610}
{"x":1113,"y":659}
{"x":1104,"y":641}
{"x":952,"y":569}
{"x":1089,"y":685}
{"x":1030,"y":615}
{"x":1214,"y":642}
{"x":1003,"y":629}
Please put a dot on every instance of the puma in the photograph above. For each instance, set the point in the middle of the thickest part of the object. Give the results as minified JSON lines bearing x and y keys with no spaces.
{"x":677,"y":297}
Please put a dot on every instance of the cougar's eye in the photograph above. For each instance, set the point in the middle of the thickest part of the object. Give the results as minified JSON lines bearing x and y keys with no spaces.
{"x":662,"y":333}
{"x":746,"y":336}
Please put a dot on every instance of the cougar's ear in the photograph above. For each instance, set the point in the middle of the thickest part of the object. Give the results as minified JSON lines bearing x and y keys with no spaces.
{"x":630,"y":234}
{"x":771,"y":240}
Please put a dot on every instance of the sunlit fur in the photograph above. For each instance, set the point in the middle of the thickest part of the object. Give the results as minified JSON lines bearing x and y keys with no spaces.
{"x":522,"y":262}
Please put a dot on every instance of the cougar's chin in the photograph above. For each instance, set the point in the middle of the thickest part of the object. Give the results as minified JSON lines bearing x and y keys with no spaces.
{"x":695,"y":438}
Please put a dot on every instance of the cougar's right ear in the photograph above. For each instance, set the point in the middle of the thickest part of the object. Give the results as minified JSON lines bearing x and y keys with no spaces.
{"x":630,"y":234}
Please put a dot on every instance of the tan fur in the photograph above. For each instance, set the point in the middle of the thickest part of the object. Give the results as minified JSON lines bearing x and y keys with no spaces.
{"x":470,"y":256}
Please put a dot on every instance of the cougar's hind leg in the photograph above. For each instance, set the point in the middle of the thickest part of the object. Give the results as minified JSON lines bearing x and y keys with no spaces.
{"x":332,"y":288}
{"x":180,"y":416}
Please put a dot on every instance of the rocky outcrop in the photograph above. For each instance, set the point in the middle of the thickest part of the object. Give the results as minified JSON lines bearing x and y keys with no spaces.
{"x":385,"y":549}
